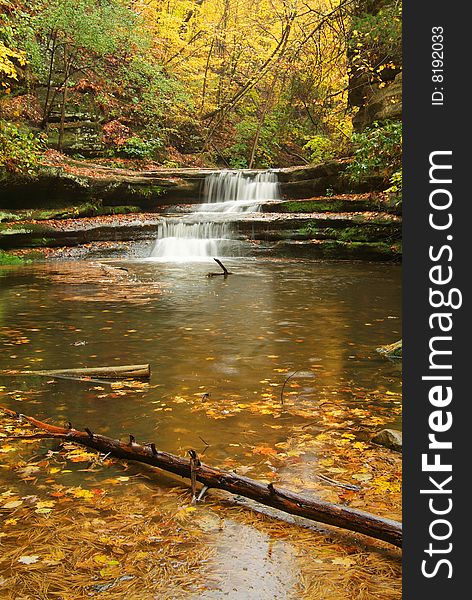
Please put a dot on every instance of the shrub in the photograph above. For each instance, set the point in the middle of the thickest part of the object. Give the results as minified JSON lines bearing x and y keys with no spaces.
{"x":20,"y":150}
{"x":319,"y":148}
{"x":10,"y":259}
{"x":376,"y":41}
{"x":136,"y":147}
{"x":396,"y":181}
{"x":379,"y":149}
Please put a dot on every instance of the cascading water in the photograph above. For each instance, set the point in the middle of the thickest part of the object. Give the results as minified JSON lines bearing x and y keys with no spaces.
{"x":235,"y":192}
{"x":206,"y":232}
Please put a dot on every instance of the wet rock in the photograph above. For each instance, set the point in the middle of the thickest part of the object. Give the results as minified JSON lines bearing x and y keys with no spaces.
{"x":393,"y":351}
{"x":55,"y":186}
{"x":390,"y":438}
{"x":318,"y":180}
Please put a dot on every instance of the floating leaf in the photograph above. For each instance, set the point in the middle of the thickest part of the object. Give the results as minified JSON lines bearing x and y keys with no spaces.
{"x":43,"y":511}
{"x":265,"y":450}
{"x":13,"y":504}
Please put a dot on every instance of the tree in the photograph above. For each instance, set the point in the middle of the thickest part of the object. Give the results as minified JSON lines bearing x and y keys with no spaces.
{"x":75,"y":38}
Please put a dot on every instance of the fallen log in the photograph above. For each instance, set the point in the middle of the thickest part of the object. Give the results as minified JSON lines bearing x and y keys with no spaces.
{"x":225,"y":270}
{"x":210,"y":477}
{"x":115,"y":372}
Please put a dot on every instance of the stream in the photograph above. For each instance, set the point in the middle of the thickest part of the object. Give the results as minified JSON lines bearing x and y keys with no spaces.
{"x":271,"y":372}
{"x":220,"y":352}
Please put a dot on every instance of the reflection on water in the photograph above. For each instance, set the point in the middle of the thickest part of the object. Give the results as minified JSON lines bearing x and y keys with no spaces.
{"x":236,"y":340}
{"x":200,"y":335}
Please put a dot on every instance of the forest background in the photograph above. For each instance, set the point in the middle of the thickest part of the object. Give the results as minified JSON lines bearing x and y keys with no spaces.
{"x":229,"y":83}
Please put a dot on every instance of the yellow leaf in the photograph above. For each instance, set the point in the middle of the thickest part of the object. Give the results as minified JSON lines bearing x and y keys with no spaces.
{"x":13,"y":504}
{"x":46,"y":504}
{"x":43,"y":511}
{"x":81,"y":493}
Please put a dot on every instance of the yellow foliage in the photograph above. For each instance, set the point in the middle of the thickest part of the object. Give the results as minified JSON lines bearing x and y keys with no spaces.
{"x":217,"y":46}
{"x":9,"y":59}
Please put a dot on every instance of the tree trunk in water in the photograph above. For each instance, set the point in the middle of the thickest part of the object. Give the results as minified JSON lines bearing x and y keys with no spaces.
{"x":284,"y":500}
{"x":116,"y":372}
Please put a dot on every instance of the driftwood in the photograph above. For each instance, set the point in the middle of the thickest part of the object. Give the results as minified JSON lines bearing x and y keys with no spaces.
{"x":268,"y":494}
{"x":225,"y":270}
{"x":115,"y":372}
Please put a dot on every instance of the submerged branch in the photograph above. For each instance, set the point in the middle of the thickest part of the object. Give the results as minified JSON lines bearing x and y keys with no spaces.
{"x":225,"y":270}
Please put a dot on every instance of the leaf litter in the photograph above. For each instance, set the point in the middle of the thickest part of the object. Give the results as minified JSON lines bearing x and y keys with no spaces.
{"x":82,"y":541}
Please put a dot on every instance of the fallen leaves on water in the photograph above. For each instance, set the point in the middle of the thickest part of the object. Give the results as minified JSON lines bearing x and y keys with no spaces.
{"x":266,"y":451}
{"x":90,"y":281}
{"x":110,"y":546}
{"x":123,"y":544}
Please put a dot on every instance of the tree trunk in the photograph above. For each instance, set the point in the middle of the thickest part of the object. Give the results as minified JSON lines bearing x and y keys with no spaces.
{"x":45,"y":118}
{"x":260,"y":123}
{"x":284,"y":500}
{"x":205,"y":76}
{"x":64,"y":100}
{"x":116,"y":372}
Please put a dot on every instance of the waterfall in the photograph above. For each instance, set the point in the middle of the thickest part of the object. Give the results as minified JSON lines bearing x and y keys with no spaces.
{"x":236,"y":192}
{"x":206,"y":232}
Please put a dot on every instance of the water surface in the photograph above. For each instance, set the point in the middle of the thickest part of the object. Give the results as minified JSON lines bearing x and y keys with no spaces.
{"x":271,"y":372}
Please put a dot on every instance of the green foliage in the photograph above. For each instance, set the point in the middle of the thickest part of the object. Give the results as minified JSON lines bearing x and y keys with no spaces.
{"x":247,"y":129}
{"x":396,"y":181}
{"x":20,"y":151}
{"x":329,"y":192}
{"x":103,"y":27}
{"x":136,"y":147}
{"x":10,"y":259}
{"x":154,"y":100}
{"x":382,"y":30}
{"x":377,"y":149}
{"x":319,"y":149}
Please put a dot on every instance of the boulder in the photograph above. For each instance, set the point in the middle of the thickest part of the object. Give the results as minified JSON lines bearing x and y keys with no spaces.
{"x":390,"y":438}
